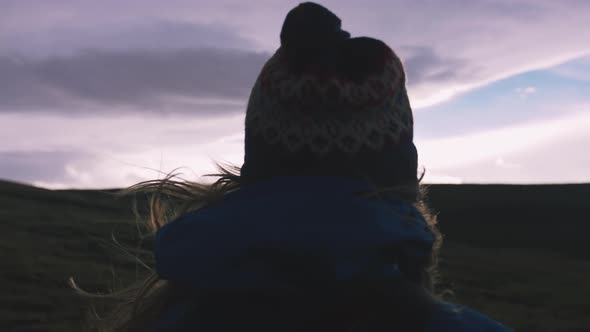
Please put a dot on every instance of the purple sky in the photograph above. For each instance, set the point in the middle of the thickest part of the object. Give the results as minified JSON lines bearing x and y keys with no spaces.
{"x":108,"y":93}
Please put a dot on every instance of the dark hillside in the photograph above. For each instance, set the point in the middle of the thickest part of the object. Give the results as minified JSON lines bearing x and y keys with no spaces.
{"x":549,"y":217}
{"x":516,"y":253}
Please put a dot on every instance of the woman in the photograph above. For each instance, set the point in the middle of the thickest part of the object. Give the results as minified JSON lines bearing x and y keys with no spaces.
{"x":323,"y":227}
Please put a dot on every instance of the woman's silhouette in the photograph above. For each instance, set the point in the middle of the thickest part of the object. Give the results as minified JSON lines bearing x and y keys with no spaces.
{"x":323,"y":227}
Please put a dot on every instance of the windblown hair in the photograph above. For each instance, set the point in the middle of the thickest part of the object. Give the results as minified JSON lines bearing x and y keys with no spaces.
{"x":138,"y":307}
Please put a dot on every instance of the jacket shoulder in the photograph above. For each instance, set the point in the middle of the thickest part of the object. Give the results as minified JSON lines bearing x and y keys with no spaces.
{"x":457,"y":318}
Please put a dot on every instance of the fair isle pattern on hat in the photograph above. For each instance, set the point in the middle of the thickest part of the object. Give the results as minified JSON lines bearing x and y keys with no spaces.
{"x":329,"y":113}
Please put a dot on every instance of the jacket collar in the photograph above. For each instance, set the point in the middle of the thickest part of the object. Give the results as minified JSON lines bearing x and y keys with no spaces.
{"x":288,"y":232}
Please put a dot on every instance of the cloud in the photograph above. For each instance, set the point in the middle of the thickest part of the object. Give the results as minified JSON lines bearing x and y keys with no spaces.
{"x":441,"y":178}
{"x":501,"y":162}
{"x":132,"y":34}
{"x":126,"y":134}
{"x":423,"y":64}
{"x":94,"y":151}
{"x":426,"y":69}
{"x":489,"y":144}
{"x":196,"y":80}
{"x":525,"y":92}
{"x":59,"y":169}
{"x":97,"y":152}
{"x":201,"y":81}
{"x":31,"y":166}
{"x":578,"y":69}
{"x":559,"y":161}
{"x":452,"y":46}
{"x":548,"y":151}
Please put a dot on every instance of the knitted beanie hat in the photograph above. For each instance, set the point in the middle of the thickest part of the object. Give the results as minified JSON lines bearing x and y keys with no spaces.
{"x":329,"y":104}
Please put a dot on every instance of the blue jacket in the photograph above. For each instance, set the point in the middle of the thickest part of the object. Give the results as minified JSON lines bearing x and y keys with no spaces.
{"x":235,"y":245}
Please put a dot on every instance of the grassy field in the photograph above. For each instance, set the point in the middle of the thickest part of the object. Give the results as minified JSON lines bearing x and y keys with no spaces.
{"x":517,"y":253}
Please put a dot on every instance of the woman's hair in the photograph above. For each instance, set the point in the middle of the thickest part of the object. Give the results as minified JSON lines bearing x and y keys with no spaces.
{"x":138,"y":307}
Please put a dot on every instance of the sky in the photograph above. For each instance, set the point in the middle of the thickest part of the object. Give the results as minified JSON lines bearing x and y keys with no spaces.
{"x":97,"y":94}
